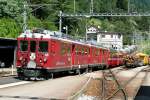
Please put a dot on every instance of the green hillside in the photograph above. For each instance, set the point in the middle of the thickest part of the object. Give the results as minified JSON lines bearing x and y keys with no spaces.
{"x":11,"y":16}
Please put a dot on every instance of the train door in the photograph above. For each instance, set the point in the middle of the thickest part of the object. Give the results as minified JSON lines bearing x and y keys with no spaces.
{"x":103,"y":56}
{"x":73,"y":55}
{"x":100,"y":56}
{"x":107,"y":56}
{"x":53,"y":52}
{"x":33,"y":48}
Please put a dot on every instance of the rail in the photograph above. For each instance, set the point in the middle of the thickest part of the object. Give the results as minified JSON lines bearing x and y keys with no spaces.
{"x":81,"y":91}
{"x":120,"y":87}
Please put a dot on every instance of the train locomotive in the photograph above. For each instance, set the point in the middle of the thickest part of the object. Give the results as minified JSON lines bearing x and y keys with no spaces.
{"x":40,"y":53}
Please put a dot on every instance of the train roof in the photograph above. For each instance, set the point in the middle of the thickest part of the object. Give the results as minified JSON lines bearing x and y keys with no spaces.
{"x":47,"y":34}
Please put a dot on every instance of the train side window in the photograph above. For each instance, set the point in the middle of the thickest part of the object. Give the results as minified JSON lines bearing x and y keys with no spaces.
{"x":68,"y":49}
{"x":103,"y":54}
{"x":93,"y":51}
{"x":86,"y":51}
{"x":43,"y":46}
{"x":63,"y":50}
{"x":97,"y":52}
{"x":82,"y":52}
{"x":77,"y":50}
{"x":23,"y":45}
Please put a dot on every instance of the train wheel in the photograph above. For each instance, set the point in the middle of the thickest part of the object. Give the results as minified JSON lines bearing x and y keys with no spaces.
{"x":46,"y":77}
{"x":52,"y":75}
{"x":35,"y":78}
{"x":86,"y":70}
{"x":90,"y":69}
{"x":21,"y":77}
{"x":28,"y":78}
{"x":78,"y":71}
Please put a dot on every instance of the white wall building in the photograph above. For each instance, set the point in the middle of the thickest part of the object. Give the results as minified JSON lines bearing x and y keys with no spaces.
{"x":110,"y":40}
{"x":107,"y":39}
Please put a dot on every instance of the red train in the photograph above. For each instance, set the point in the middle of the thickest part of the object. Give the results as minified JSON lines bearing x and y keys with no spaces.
{"x":115,"y":59}
{"x":41,"y":53}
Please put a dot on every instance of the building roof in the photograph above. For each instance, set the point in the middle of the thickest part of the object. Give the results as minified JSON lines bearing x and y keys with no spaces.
{"x":105,"y":32}
{"x":94,"y":31}
{"x":99,"y":31}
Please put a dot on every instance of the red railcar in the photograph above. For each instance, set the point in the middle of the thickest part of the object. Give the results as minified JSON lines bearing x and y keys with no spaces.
{"x":115,"y":59}
{"x":43,"y":52}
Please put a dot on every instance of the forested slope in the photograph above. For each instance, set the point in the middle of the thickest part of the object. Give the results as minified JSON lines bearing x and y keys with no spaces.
{"x":11,"y":16}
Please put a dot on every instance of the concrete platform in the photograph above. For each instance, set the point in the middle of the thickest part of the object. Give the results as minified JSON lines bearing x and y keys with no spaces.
{"x":144,"y":91}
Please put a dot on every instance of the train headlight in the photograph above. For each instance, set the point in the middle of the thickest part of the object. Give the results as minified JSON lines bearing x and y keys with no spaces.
{"x":32,"y":56}
{"x":45,"y":59}
{"x":40,"y":61}
{"x":20,"y":58}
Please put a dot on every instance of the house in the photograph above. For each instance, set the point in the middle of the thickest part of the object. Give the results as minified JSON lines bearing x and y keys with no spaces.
{"x":92,"y":32}
{"x":107,"y":39}
{"x":110,"y":39}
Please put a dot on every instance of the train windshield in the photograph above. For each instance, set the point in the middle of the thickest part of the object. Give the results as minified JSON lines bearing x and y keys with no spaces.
{"x":23,"y":45}
{"x":43,"y":46}
{"x":32,"y":46}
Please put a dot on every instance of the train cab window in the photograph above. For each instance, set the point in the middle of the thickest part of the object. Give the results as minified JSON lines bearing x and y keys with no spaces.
{"x":32,"y":46}
{"x":97,"y":52}
{"x":23,"y":45}
{"x":83,"y":51}
{"x":86,"y":51}
{"x":43,"y":46}
{"x":68,"y":50}
{"x":63,"y":49}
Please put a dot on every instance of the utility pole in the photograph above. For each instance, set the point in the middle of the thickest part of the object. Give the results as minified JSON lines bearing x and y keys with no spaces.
{"x":86,"y":31}
{"x":25,"y":12}
{"x":24,"y":19}
{"x":74,"y":6}
{"x":86,"y":27}
{"x":128,"y":6}
{"x":60,"y":21}
{"x":91,"y":7}
{"x":66,"y":29}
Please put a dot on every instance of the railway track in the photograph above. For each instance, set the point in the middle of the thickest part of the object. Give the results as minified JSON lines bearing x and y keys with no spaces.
{"x":108,"y":75}
{"x":111,"y":74}
{"x":120,"y":87}
{"x":81,"y":91}
{"x":102,"y":79}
